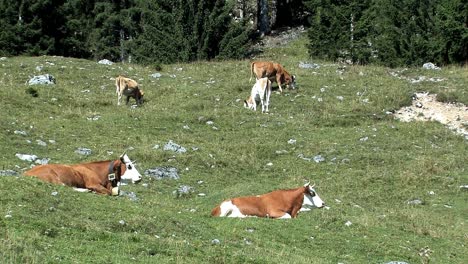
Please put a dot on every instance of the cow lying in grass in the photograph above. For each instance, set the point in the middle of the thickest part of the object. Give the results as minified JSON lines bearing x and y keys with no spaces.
{"x":280,"y":204}
{"x":128,"y":87}
{"x":262,"y":91}
{"x":274,"y":72}
{"x":101,"y":176}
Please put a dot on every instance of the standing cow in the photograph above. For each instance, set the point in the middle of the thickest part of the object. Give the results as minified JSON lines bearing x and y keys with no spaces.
{"x":274,"y":71}
{"x":128,"y":87}
{"x":262,"y":91}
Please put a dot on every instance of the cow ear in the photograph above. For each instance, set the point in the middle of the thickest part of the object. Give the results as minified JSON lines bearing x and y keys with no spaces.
{"x":122,"y":156}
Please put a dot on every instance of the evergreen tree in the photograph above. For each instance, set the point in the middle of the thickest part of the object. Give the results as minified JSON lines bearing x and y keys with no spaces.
{"x":389,"y":32}
{"x":187,"y":30}
{"x":450,"y":44}
{"x":10,"y":43}
{"x":333,"y":28}
{"x":78,"y":16}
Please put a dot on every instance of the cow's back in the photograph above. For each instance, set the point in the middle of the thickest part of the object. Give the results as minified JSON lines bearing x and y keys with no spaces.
{"x":263,"y":69}
{"x":250,"y":205}
{"x":58,"y":174}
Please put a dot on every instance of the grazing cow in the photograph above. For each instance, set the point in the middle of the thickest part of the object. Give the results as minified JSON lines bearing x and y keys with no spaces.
{"x":261,"y":90}
{"x":101,"y":176}
{"x":280,"y":204}
{"x":274,"y":71}
{"x":128,"y":87}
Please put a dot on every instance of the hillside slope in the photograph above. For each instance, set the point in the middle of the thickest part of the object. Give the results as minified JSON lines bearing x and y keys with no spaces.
{"x":393,"y":189}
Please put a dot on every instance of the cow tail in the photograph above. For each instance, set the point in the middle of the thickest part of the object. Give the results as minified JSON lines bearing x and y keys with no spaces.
{"x":251,"y":70}
{"x":216,"y":211}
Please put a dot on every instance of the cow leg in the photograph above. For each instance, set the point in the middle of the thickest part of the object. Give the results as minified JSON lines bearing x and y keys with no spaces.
{"x":119,"y":97}
{"x":263,"y":104}
{"x":278,"y":80}
{"x":128,"y":99}
{"x":99,"y":189}
{"x":267,"y":103}
{"x":267,"y":99}
{"x":279,"y":214}
{"x":81,"y":189}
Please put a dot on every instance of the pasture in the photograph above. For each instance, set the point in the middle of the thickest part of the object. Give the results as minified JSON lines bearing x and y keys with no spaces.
{"x":392,"y":188}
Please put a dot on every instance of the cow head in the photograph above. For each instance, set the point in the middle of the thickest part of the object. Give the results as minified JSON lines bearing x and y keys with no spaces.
{"x":292,"y":82}
{"x":250,"y":103}
{"x":130,"y":172}
{"x":311,"y":198}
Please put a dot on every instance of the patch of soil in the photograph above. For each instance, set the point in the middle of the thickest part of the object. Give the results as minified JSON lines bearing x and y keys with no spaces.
{"x":425,"y":107}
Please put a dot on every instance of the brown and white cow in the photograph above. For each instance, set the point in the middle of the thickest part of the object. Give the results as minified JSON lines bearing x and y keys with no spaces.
{"x":280,"y":204}
{"x":128,"y":87}
{"x":274,"y":71}
{"x":261,"y":90}
{"x":101,"y":177}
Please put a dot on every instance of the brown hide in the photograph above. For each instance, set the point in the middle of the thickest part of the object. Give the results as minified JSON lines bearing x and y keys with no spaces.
{"x":93,"y":176}
{"x":274,"y":72}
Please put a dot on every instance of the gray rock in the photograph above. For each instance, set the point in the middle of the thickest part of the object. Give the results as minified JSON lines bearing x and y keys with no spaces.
{"x":304,"y":65}
{"x":83,"y":151}
{"x":20,"y":132}
{"x":430,"y":66}
{"x":215,"y":241}
{"x":105,"y":62}
{"x":160,"y":173}
{"x":397,"y":262}
{"x":171,"y":146}
{"x":8,"y":173}
{"x":319,"y":158}
{"x":156,"y":75}
{"x":415,"y":202}
{"x":42,"y":161}
{"x":41,"y":143}
{"x":303,"y":157}
{"x":26,"y":157}
{"x":131,"y":195}
{"x":183,"y":190}
{"x":42,"y":79}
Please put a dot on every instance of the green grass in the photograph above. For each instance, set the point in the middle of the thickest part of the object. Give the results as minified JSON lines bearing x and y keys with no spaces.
{"x":365,"y":181}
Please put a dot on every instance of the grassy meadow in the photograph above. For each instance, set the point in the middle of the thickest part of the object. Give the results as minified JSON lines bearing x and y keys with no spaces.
{"x":373,"y":165}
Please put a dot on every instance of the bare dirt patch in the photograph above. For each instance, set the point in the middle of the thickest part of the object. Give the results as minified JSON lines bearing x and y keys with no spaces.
{"x":425,"y":107}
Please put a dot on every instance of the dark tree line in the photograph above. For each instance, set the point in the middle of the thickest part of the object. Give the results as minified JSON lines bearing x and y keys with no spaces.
{"x":122,"y":30}
{"x":388,"y":32}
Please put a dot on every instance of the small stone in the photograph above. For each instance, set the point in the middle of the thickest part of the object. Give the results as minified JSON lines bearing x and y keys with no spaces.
{"x":20,"y":132}
{"x":415,"y":202}
{"x":83,"y":151}
{"x":26,"y":157}
{"x":215,"y":241}
{"x":319,"y":159}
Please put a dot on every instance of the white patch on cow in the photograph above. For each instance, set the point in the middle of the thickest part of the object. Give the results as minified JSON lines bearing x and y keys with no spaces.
{"x":311,"y":200}
{"x":230,"y":210}
{"x":285,"y":216}
{"x":131,"y":173}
